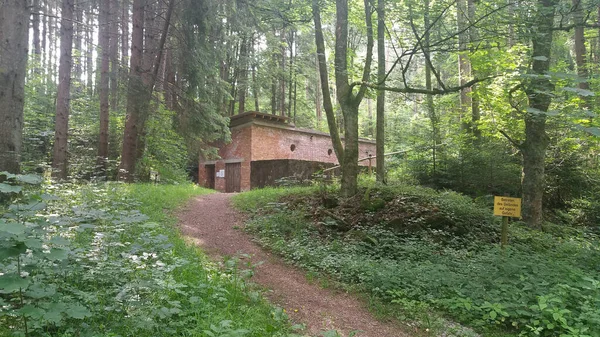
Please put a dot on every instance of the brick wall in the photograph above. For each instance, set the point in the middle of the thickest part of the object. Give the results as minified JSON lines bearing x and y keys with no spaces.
{"x":260,"y":141}
{"x":270,"y":143}
{"x":236,"y":151}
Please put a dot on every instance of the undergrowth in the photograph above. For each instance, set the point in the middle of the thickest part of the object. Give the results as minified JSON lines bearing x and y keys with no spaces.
{"x":105,"y":260}
{"x":420,"y":251}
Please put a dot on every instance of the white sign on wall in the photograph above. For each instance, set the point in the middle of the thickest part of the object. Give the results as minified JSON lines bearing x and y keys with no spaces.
{"x":221,"y":174}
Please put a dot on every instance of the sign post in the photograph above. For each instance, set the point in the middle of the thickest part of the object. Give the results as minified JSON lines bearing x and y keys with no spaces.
{"x":506,"y":207}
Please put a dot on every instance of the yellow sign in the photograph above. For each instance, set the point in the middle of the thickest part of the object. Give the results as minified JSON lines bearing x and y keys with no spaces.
{"x":505,"y":206}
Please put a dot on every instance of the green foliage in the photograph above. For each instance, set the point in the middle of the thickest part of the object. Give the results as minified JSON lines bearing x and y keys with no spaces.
{"x":544,"y":284}
{"x":165,"y":152}
{"x":88,"y":262}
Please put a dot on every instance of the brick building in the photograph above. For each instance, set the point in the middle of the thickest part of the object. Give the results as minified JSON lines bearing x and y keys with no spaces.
{"x":265,"y":148}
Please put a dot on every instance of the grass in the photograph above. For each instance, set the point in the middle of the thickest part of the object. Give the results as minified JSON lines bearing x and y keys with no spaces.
{"x":420,"y":270}
{"x":128,"y":272}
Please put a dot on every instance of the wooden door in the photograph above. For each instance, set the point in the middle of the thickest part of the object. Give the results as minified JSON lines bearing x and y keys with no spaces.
{"x":210,"y":176}
{"x":233,"y":177}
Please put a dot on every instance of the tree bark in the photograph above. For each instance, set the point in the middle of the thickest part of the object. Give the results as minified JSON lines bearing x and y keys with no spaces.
{"x":89,"y":49}
{"x":113,"y":23}
{"x":141,"y":86}
{"x":464,"y":65}
{"x":35,"y":27}
{"x":14,"y":42}
{"x":104,"y":42}
{"x":539,"y":91}
{"x":474,"y":39}
{"x":243,"y":78}
{"x":124,"y":24}
{"x":135,"y":91}
{"x":381,"y":70}
{"x":431,"y":113}
{"x":580,"y":50}
{"x":77,"y":44}
{"x":282,"y":60}
{"x":59,"y":159}
{"x":324,"y":80}
{"x":349,"y":102}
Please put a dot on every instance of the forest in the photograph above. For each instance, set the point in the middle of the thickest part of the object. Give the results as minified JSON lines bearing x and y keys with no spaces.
{"x":465,"y":99}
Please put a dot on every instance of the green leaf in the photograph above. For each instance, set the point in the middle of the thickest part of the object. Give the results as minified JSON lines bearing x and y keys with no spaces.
{"x":32,"y":311}
{"x":12,"y":227}
{"x":12,"y":283}
{"x":31,"y":206}
{"x":536,"y":111}
{"x":33,"y":243}
{"x":31,"y":179}
{"x":38,"y":291}
{"x":6,"y":188}
{"x":12,"y":251}
{"x":7,"y":175}
{"x":57,"y":254}
{"x":493,"y":314}
{"x":59,"y":240}
{"x":594,"y":131}
{"x":77,"y":311}
{"x":579,"y":91}
{"x":49,"y":197}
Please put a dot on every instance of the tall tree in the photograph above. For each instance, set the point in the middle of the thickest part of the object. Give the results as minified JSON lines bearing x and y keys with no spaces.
{"x":539,"y":90}
{"x":104,"y":43}
{"x":140,"y":87}
{"x":113,"y":23}
{"x":381,"y":71}
{"x":464,"y":64}
{"x":61,"y":130}
{"x":135,"y":91}
{"x":539,"y":93}
{"x":14,"y":40}
{"x":348,"y":100}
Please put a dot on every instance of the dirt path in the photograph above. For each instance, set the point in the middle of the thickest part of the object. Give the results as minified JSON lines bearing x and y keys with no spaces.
{"x":210,"y":221}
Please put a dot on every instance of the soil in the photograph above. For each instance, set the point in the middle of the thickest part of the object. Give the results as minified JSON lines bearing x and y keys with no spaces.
{"x":214,"y":225}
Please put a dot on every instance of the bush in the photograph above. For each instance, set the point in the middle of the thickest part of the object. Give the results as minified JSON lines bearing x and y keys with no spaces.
{"x":543,"y":284}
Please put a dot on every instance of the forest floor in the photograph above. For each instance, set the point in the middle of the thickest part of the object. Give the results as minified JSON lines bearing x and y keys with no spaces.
{"x":211,"y":222}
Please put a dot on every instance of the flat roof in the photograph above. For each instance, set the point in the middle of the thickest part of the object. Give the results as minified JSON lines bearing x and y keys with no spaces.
{"x":275,"y":121}
{"x":245,"y":117}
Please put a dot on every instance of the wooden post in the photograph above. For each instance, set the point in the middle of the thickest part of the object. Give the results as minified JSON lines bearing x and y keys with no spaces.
{"x":370,"y":166}
{"x":504,"y":232}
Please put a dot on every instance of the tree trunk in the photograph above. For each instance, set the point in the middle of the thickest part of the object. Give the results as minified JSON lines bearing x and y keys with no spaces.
{"x":14,"y":42}
{"x":464,"y":65}
{"x":349,"y":102}
{"x":89,"y":49}
{"x":124,"y":24}
{"x":282,"y":106}
{"x":580,"y":50}
{"x":77,"y":45}
{"x":104,"y":42}
{"x":243,"y":78}
{"x":475,"y":110}
{"x":539,"y":91}
{"x":381,"y":70}
{"x":318,"y":101}
{"x":324,"y":81}
{"x":114,"y":53}
{"x":59,"y":160}
{"x":431,"y":113}
{"x":135,"y":94}
{"x":44,"y":38}
{"x":51,"y":41}
{"x":35,"y":26}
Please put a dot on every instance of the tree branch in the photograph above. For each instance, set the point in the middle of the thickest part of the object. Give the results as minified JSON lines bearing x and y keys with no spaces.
{"x":408,"y":90}
{"x":512,"y":141}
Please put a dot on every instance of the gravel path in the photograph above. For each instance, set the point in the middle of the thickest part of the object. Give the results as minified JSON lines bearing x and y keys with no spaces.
{"x":209,"y":220}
